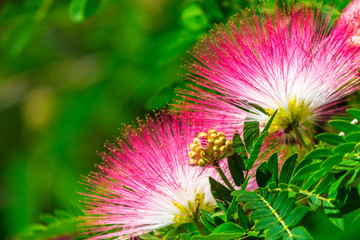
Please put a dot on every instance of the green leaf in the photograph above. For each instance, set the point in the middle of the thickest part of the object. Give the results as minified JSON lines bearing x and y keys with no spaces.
{"x":219,"y":191}
{"x":296,"y":216}
{"x":245,"y":196}
{"x":333,"y":214}
{"x":238,"y":144}
{"x":253,"y":205}
{"x":287,"y":169}
{"x":344,"y":148}
{"x":194,"y":18}
{"x":325,"y":184}
{"x":287,"y":207}
{"x":207,"y":224}
{"x":236,"y":166}
{"x":280,"y":200}
{"x":260,"y":214}
{"x":256,"y":149}
{"x":353,"y":137}
{"x":243,"y":219}
{"x":265,"y":223}
{"x":306,"y":172}
{"x":272,"y":168}
{"x":231,"y":210}
{"x":261,"y":175}
{"x":207,"y":215}
{"x":314,"y":178}
{"x":250,"y":134}
{"x":318,"y":153}
{"x":275,"y":233}
{"x":225,"y":231}
{"x":229,"y":227}
{"x":79,"y":10}
{"x":299,"y":233}
{"x":330,"y":138}
{"x":344,"y":126}
{"x":331,"y":162}
{"x":314,"y":202}
{"x":355,"y":113}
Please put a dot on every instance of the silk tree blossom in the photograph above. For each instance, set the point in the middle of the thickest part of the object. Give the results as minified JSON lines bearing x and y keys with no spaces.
{"x":351,"y":17}
{"x":287,"y":61}
{"x":146,"y":182}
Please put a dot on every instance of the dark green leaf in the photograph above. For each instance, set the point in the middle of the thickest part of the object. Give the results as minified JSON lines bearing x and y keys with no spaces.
{"x":272,"y":197}
{"x":275,"y":233}
{"x":207,"y":215}
{"x":330,"y":138}
{"x":265,"y":223}
{"x":207,"y":224}
{"x":81,"y":9}
{"x":296,"y":216}
{"x":272,"y":168}
{"x":236,"y":166}
{"x":287,"y":169}
{"x":331,"y":162}
{"x":228,"y":227}
{"x":219,"y":191}
{"x":238,"y":144}
{"x":256,"y":149}
{"x":314,"y":178}
{"x":250,"y":134}
{"x":334,"y":214}
{"x":261,"y":175}
{"x":345,"y":126}
{"x":243,"y":219}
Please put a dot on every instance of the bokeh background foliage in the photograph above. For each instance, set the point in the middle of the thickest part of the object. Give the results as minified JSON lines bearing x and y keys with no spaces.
{"x":73,"y":71}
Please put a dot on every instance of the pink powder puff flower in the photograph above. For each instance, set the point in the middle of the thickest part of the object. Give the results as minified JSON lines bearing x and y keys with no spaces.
{"x":291,"y":61}
{"x":146,"y":182}
{"x":351,"y":17}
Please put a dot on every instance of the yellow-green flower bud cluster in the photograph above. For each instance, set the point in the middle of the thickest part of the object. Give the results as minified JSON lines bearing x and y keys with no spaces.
{"x":208,"y":148}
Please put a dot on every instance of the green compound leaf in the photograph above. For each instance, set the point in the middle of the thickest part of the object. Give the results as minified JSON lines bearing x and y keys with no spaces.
{"x":287,"y":169}
{"x":260,"y":214}
{"x":251,"y":132}
{"x":355,"y":113}
{"x":330,"y":138}
{"x":344,"y":126}
{"x":256,"y":149}
{"x":333,"y":214}
{"x":265,"y":223}
{"x":272,"y":168}
{"x":243,"y":219}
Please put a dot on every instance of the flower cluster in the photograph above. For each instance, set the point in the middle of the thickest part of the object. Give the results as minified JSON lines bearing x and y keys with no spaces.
{"x":295,"y":63}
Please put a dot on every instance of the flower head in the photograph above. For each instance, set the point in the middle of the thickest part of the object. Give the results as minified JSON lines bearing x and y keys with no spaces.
{"x":287,"y":61}
{"x":146,"y":182}
{"x":351,"y":17}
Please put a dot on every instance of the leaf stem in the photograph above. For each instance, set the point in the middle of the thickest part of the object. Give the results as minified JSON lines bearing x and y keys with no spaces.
{"x":299,"y":136}
{"x":223,"y":177}
{"x":199,"y":227}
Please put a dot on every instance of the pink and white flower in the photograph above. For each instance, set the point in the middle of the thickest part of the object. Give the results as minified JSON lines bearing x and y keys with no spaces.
{"x":146,"y":182}
{"x":291,"y":61}
{"x":351,"y":17}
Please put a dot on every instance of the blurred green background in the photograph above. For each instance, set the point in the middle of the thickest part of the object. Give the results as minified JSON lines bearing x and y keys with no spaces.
{"x":70,"y":73}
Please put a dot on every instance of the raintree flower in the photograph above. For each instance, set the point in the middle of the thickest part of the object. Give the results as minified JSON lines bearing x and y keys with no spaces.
{"x":351,"y":17}
{"x":146,"y":183}
{"x":293,"y":61}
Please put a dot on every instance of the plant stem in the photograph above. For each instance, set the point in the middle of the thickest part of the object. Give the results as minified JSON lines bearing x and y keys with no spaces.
{"x":299,"y":137}
{"x":199,"y":226}
{"x":223,"y":177}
